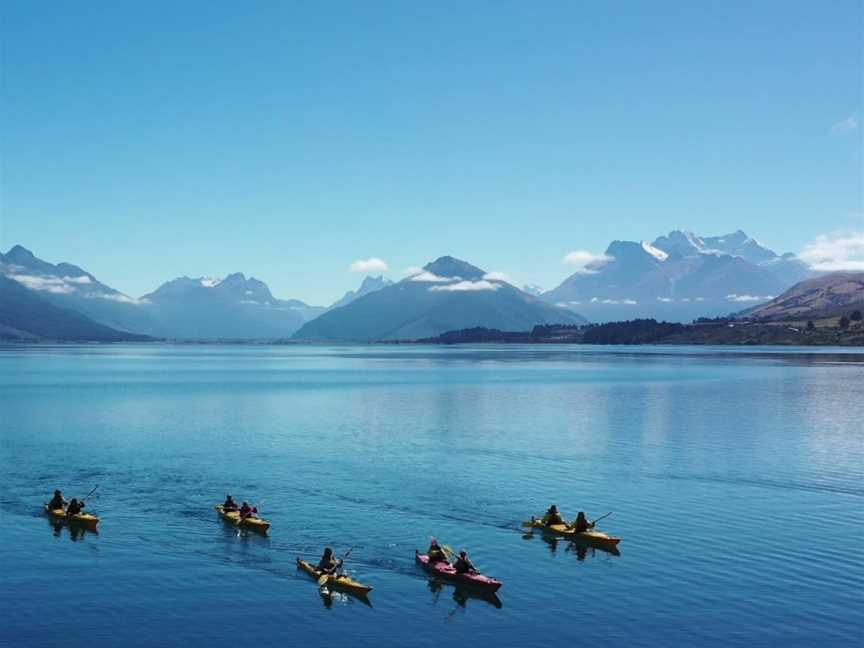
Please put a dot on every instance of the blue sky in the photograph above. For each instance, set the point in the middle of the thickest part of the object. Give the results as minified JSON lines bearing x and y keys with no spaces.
{"x":145,"y":141}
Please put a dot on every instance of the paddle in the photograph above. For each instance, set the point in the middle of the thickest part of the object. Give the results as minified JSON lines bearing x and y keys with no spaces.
{"x":448,"y":550}
{"x":87,"y":496}
{"x":594,"y":523}
{"x":322,"y":580}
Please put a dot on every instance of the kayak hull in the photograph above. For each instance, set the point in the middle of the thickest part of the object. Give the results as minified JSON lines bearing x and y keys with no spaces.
{"x":589,"y":537}
{"x":447,"y":572}
{"x":252,"y":524}
{"x":85,"y":520}
{"x":340,"y":582}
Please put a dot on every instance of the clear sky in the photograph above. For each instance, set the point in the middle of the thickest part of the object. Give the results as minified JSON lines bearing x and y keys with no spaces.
{"x":149,"y":140}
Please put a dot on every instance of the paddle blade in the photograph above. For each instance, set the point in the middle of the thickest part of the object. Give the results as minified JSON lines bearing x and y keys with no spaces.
{"x":322,"y":580}
{"x":448,"y":550}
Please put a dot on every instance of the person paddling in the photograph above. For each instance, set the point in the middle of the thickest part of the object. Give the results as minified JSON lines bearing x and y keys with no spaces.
{"x":75,"y":507}
{"x":463,"y":564}
{"x":436,"y":553}
{"x":328,"y":563}
{"x":57,"y":502}
{"x":553,"y":517}
{"x":582,"y":523}
{"x":230,"y":504}
{"x":247,"y":511}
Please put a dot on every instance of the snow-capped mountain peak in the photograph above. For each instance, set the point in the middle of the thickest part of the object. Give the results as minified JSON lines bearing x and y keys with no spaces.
{"x":658,"y":254}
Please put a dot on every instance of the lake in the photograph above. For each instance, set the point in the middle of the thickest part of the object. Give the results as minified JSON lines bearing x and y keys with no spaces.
{"x":734,"y":477}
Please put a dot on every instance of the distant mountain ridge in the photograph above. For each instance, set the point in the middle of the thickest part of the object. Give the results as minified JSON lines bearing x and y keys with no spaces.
{"x":185,"y":308}
{"x":68,"y":286}
{"x":27,"y":317}
{"x":830,"y":295}
{"x":369,"y":285}
{"x":678,"y":277}
{"x":235,"y":307}
{"x":446,"y":294}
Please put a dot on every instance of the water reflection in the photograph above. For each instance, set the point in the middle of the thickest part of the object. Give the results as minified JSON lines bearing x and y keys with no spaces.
{"x":328,"y":596}
{"x":581,"y":548}
{"x":461,"y":595}
{"x":76,"y":531}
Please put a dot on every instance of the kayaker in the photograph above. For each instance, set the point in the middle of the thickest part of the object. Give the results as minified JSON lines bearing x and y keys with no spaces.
{"x":75,"y":507}
{"x":463,"y":564}
{"x":581,"y":523}
{"x":436,"y":553}
{"x":57,"y":502}
{"x":328,"y":564}
{"x":552,"y":517}
{"x":247,"y":511}
{"x":230,"y":504}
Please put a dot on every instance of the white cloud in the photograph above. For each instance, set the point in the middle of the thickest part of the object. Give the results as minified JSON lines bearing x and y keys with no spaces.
{"x":372,"y":264}
{"x":463,"y":286}
{"x":626,"y":302}
{"x":845,"y":126}
{"x":748,"y":298}
{"x":118,"y":297}
{"x":497,"y":276}
{"x":428,"y":277}
{"x":836,"y":251}
{"x":587,"y":261}
{"x":55,"y":285}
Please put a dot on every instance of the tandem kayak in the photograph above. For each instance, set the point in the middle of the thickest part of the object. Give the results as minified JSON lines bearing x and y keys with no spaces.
{"x":447,"y":572}
{"x":589,"y":537}
{"x":86,"y":520}
{"x":335,"y":581}
{"x":253,"y":524}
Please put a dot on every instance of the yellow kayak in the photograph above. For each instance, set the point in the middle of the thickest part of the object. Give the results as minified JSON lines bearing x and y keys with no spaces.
{"x":253,"y":524}
{"x":81,"y":519}
{"x":334,"y":581}
{"x":590,"y":537}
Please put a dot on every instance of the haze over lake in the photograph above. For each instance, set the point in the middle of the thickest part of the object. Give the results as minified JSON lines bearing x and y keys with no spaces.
{"x":734,"y":476}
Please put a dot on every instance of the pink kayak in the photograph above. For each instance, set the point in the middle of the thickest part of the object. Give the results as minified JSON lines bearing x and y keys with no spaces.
{"x":448,"y":572}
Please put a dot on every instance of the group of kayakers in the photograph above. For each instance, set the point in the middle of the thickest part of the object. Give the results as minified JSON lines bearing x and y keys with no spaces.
{"x":579,"y":525}
{"x":437,"y":559}
{"x":245,"y":510}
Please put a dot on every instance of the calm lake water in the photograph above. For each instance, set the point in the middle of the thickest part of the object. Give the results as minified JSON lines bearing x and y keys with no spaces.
{"x":735,"y":477}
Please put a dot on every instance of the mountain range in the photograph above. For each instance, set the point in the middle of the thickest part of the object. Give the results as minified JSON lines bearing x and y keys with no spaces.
{"x":678,"y":277}
{"x":200,"y":308}
{"x":444,"y":295}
